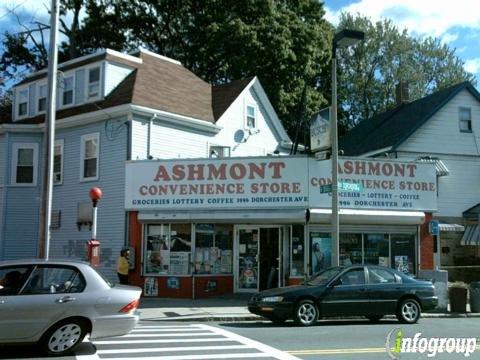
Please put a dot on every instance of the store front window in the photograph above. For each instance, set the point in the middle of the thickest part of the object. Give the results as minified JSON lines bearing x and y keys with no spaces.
{"x":298,"y":250}
{"x":213,"y":248}
{"x":168,"y":249}
{"x":321,"y":251}
{"x":396,"y":251}
{"x":376,"y":249}
{"x":350,"y":249}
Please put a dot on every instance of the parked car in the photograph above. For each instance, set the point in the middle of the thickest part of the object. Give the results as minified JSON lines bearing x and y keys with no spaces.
{"x":370,"y":291}
{"x":56,"y":303}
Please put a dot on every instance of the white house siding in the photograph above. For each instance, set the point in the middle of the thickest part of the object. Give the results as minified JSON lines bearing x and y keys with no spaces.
{"x":21,"y":203}
{"x":262,"y":143}
{"x":441,"y":134}
{"x":68,"y":241}
{"x":440,"y":137}
{"x":114,"y":74}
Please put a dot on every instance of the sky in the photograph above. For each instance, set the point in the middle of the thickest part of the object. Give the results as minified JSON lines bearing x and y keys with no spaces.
{"x":456,"y":23}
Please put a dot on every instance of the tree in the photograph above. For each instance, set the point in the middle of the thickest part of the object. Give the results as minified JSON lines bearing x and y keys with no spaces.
{"x":369,"y":72}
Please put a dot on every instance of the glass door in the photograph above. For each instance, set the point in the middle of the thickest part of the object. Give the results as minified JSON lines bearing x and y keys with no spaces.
{"x":247,"y":265}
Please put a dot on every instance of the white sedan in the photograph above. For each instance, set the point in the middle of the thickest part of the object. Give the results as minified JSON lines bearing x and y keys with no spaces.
{"x":56,"y":303}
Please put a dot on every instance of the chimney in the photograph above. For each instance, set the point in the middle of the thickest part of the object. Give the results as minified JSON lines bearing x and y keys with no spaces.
{"x":401,"y":93}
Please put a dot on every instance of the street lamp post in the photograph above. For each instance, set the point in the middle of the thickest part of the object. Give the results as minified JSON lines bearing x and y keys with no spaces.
{"x":343,"y":38}
{"x":93,"y":246}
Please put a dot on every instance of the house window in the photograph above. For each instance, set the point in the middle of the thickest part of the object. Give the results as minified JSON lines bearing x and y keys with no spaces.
{"x":89,"y":156}
{"x":465,"y":115}
{"x":251,"y":116}
{"x":93,"y":82}
{"x":219,"y":152}
{"x":22,"y":109}
{"x":58,"y":162}
{"x":42,"y":98}
{"x":67,"y":97}
{"x":25,"y":158}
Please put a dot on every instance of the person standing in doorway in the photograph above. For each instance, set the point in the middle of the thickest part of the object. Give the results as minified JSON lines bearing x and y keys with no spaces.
{"x":122,"y":266}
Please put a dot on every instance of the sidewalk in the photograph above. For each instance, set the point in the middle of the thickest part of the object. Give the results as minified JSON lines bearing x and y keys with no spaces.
{"x":225,"y":308}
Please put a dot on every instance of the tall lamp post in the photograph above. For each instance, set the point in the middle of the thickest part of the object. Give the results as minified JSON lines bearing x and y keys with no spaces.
{"x":343,"y":38}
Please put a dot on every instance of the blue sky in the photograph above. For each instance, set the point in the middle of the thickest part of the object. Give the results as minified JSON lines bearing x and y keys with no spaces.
{"x":456,"y":23}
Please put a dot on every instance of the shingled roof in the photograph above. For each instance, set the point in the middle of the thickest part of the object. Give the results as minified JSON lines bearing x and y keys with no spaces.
{"x":156,"y":82}
{"x":393,"y":127}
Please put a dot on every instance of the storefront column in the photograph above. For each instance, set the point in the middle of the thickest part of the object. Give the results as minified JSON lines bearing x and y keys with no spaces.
{"x":135,"y":241}
{"x":426,"y":245}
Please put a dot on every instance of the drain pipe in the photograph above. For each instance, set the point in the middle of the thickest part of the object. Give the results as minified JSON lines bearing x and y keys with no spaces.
{"x":149,"y":136}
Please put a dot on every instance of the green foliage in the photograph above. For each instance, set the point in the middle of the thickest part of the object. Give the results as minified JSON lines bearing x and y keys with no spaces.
{"x":369,"y":72}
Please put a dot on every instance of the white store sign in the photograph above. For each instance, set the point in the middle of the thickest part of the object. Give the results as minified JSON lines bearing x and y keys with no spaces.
{"x":277,"y":182}
{"x":267,"y":182}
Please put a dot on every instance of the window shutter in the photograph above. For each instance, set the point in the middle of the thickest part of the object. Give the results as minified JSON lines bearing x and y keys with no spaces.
{"x":79,"y":86}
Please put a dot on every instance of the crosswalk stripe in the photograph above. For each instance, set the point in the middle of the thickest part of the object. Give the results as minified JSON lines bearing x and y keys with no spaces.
{"x":168,"y":335}
{"x":159,"y":341}
{"x":178,"y":348}
{"x":164,"y":330}
{"x":166,"y":326}
{"x":202,"y":356}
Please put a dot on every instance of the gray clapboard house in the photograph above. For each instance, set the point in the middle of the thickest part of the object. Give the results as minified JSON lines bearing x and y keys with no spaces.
{"x":114,"y":107}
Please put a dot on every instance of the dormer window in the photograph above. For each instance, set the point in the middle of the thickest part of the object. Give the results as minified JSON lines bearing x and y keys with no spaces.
{"x":93,"y":82}
{"x":42,"y":98}
{"x":251,"y":116}
{"x":22,"y":108}
{"x":67,"y":96}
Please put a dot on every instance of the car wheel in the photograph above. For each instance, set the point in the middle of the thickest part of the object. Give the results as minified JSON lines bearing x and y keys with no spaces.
{"x":374,"y":318}
{"x":306,"y":313}
{"x":63,"y":337}
{"x":408,"y":311}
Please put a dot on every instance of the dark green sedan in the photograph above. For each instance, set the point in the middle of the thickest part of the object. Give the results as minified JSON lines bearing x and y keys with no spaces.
{"x":370,"y":291}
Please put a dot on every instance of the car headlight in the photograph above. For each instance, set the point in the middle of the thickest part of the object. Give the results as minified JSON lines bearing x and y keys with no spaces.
{"x":273,"y":299}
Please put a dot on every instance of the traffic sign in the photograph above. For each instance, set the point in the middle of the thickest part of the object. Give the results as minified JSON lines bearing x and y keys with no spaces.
{"x":345,"y":186}
{"x":324,"y":189}
{"x":342,"y":186}
{"x":434,"y":227}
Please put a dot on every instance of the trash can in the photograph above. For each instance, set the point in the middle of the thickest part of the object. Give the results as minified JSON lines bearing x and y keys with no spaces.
{"x":475,"y":297}
{"x":458,"y":299}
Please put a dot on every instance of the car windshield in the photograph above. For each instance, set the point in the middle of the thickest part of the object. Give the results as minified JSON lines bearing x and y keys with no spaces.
{"x":323,"y":277}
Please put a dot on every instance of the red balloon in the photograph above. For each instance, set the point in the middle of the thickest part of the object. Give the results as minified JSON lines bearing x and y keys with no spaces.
{"x":95,"y":193}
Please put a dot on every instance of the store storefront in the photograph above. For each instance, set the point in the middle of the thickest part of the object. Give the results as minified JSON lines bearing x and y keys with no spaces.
{"x":206,"y":227}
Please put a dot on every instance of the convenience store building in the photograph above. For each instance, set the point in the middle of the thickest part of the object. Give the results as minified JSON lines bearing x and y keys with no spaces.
{"x":205,"y":227}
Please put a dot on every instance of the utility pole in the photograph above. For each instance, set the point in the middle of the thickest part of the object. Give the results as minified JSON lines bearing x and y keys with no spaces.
{"x":49,"y":137}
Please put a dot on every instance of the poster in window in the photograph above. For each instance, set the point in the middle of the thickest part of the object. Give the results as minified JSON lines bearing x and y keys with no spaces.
{"x":401,"y":264}
{"x":150,"y":287}
{"x":179,"y":263}
{"x":321,"y":254}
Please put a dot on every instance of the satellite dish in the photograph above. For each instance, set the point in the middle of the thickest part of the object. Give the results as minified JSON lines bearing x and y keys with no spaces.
{"x":239,"y":136}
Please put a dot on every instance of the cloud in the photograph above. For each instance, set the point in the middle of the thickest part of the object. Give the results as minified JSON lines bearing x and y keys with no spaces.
{"x":422,"y":17}
{"x":25,"y":9}
{"x":448,"y":38}
{"x":472,"y":65}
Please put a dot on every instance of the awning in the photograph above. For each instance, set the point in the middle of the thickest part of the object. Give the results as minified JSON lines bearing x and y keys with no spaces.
{"x":471,"y":236}
{"x":440,"y":166}
{"x":250,"y":216}
{"x":451,"y":227}
{"x":369,"y":217}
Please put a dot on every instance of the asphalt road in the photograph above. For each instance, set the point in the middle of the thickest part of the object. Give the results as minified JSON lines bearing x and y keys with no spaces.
{"x":340,"y":339}
{"x":354,"y":339}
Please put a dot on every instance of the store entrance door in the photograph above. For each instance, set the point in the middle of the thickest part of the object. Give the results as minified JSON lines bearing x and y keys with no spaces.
{"x":258,"y":260}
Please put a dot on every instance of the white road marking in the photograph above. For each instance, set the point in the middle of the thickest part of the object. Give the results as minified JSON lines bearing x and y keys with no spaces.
{"x":168,"y":335}
{"x":201,"y":357}
{"x":116,"y":342}
{"x":141,"y":330}
{"x":165,"y":349}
